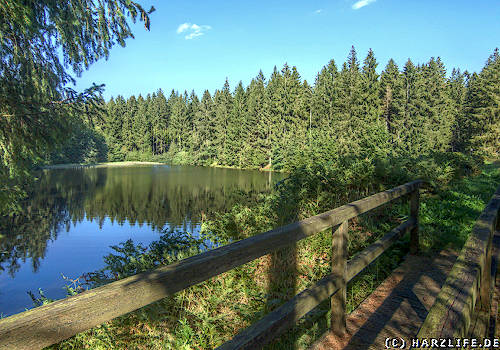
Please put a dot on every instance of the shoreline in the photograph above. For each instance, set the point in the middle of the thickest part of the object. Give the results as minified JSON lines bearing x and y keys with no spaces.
{"x":98,"y":165}
{"x":134,"y":163}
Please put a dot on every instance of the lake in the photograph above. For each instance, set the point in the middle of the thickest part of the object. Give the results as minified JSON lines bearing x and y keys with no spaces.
{"x":74,"y":215}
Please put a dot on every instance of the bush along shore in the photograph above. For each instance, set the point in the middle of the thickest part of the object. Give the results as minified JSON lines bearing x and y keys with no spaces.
{"x":206,"y":315}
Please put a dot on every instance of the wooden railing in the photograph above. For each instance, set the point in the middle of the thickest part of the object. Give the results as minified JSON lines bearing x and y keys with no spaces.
{"x":462,"y":308}
{"x":52,"y":323}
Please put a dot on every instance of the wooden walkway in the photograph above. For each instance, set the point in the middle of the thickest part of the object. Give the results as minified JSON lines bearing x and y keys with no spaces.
{"x":397,"y":308}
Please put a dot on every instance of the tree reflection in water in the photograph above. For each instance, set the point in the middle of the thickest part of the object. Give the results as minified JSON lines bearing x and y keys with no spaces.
{"x":161,"y":196}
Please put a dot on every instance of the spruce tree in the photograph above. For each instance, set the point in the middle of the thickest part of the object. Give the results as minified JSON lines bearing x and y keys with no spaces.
{"x":223,"y":103}
{"x":374,"y":134}
{"x":38,"y":40}
{"x":142,"y":125}
{"x":349,"y":120}
{"x":237,"y":128}
{"x":192,"y":110}
{"x":113,"y":128}
{"x":392,"y":97}
{"x":457,"y":93}
{"x":128,"y":131}
{"x":258,"y":145}
{"x":411,"y":121}
{"x":276,"y":112}
{"x":204,"y":131}
{"x":325,"y":99}
{"x":435,"y":127}
{"x":483,"y":109}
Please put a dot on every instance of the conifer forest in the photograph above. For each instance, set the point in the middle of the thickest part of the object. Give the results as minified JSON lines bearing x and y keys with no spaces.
{"x":349,"y":114}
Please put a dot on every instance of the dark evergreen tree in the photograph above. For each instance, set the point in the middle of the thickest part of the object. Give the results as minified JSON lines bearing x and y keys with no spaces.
{"x":374,"y":136}
{"x":237,"y":128}
{"x":38,"y":41}
{"x":258,"y":145}
{"x":483,"y":109}
{"x":325,"y":99}
{"x":457,"y":92}
{"x":349,"y":119}
{"x":223,"y":104}
{"x":204,"y":131}
{"x":113,"y":128}
{"x":392,"y":97}
{"x":128,"y":131}
{"x":435,"y":109}
{"x":192,"y":110}
{"x":142,"y":125}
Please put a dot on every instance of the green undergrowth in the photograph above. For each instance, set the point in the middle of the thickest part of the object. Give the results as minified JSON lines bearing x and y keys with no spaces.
{"x":208,"y":314}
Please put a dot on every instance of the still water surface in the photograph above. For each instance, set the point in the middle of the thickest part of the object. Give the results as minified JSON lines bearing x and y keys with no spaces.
{"x":75,"y":215}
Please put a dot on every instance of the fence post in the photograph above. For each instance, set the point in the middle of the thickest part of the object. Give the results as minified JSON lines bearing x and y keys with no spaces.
{"x":339,"y":268}
{"x":414,"y":207}
{"x":485,"y":281}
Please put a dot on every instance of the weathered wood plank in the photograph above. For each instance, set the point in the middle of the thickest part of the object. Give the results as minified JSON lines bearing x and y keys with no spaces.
{"x":480,"y":325}
{"x":484,"y":297}
{"x":397,"y":307}
{"x":276,"y":322}
{"x":414,"y":207}
{"x":339,"y":268}
{"x":49,"y":324}
{"x":450,"y":316}
{"x":495,"y":283}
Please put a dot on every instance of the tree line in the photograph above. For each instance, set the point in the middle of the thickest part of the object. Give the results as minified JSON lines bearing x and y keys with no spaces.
{"x":351,"y":112}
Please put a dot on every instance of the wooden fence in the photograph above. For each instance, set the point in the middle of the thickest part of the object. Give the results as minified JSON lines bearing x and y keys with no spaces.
{"x":52,"y":323}
{"x":462,"y":308}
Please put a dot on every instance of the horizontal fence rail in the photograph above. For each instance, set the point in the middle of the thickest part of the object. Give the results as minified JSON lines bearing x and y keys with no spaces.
{"x":52,"y":323}
{"x":285,"y":316}
{"x":465,"y":297}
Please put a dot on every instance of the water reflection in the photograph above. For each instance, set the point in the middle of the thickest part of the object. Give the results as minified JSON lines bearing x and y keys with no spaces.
{"x":158,"y":196}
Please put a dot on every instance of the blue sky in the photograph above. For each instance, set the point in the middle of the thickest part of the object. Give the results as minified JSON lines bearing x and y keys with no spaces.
{"x":197,"y":44}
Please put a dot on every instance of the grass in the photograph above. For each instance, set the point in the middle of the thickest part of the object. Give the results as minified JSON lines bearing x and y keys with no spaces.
{"x":206,"y":315}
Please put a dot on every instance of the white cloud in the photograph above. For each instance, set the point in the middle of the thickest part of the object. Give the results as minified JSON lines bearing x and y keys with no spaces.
{"x":192,"y":30}
{"x":318,"y":11}
{"x":183,"y":27}
{"x":361,"y":3}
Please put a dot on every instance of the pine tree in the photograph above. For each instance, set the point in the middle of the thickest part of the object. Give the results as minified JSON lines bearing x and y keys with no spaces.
{"x":258,"y":144}
{"x":292,"y":116}
{"x":161,"y":122}
{"x":204,"y":131}
{"x":434,"y":109}
{"x":128,"y":132}
{"x":38,"y":41}
{"x":374,"y":136}
{"x":392,"y":97}
{"x":457,"y":93}
{"x":483,"y":108}
{"x":192,"y":110}
{"x":411,"y":121}
{"x":275,"y":116}
{"x":325,"y":99}
{"x":237,"y":128}
{"x":348,"y":122}
{"x":223,"y":103}
{"x":179,"y":126}
{"x":113,"y":127}
{"x":142,"y":125}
